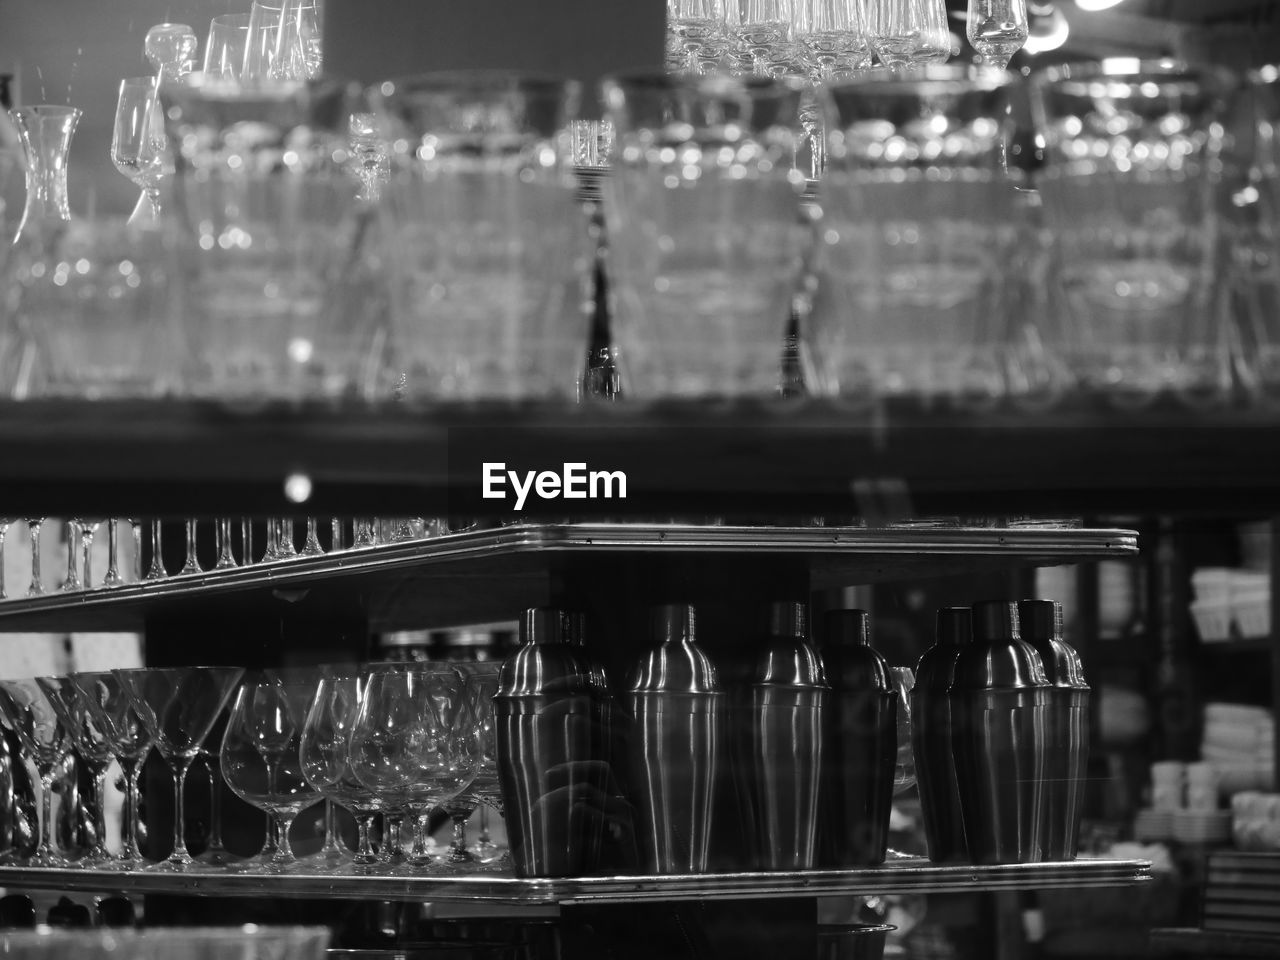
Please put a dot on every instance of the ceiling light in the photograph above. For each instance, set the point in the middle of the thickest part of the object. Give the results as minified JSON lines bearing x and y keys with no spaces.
{"x":1048,"y":29}
{"x":1092,"y":6}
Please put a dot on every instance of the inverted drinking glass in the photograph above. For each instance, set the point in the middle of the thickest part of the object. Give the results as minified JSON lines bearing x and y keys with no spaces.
{"x":706,"y":243}
{"x":1133,"y":156}
{"x":904,"y":33}
{"x":485,"y":242}
{"x":179,"y":705}
{"x":918,"y":225}
{"x":29,"y":712}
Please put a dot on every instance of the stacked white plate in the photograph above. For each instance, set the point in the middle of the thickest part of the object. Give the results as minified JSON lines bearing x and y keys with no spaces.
{"x":1153,"y":824}
{"x":1202,"y":826}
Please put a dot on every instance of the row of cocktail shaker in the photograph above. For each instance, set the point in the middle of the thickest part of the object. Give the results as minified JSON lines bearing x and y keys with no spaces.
{"x":1000,"y":732}
{"x":799,"y":759}
{"x":794,"y":761}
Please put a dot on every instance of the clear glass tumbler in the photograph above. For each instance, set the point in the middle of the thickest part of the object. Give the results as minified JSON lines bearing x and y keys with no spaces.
{"x":269,"y":214}
{"x":1133,"y":153}
{"x":486,"y":246}
{"x":706,"y":239}
{"x":918,"y":224}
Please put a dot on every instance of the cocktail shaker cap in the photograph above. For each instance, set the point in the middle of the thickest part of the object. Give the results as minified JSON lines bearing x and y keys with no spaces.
{"x":787,"y":619}
{"x":676,"y":664}
{"x":847,"y":628}
{"x":936,"y":668}
{"x":672,"y":622}
{"x":546,"y":663}
{"x":787,"y":658}
{"x":1042,"y":627}
{"x":852,"y":664}
{"x":955,"y":626}
{"x":998,"y":658}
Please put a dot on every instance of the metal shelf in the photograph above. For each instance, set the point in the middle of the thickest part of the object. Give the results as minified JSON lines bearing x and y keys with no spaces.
{"x":1194,"y":942}
{"x":490,"y":575}
{"x":902,"y":876}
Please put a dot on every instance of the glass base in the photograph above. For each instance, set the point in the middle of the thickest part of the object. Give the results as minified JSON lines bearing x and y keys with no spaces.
{"x":173,"y":865}
{"x":98,"y":860}
{"x":218,"y":857}
{"x":49,"y":859}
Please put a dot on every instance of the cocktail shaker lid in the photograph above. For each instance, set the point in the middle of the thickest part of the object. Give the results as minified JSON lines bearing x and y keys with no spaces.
{"x":788,"y":619}
{"x":1042,"y":627}
{"x":998,"y":658}
{"x":672,"y":622}
{"x":936,"y":668}
{"x":847,"y":628}
{"x":676,"y":664}
{"x":954,"y":626}
{"x":545,"y":664}
{"x":787,"y":659}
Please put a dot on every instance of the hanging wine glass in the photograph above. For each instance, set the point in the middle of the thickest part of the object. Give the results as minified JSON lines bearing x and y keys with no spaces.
{"x":225,"y":46}
{"x":699,"y":28}
{"x":832,"y":37}
{"x":761,"y":35}
{"x":283,"y":42}
{"x":997,"y":29}
{"x":139,"y":148}
{"x":179,"y":706}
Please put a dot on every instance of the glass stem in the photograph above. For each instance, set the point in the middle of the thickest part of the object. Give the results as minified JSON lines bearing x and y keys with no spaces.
{"x":246,"y":541}
{"x":331,"y":845}
{"x":113,"y":549}
{"x":100,"y":851}
{"x":364,"y":836}
{"x":338,"y":541}
{"x":157,"y":571}
{"x":180,"y":854}
{"x":192,"y":565}
{"x":86,"y":554}
{"x":215,"y":802}
{"x":226,"y":558}
{"x":46,"y":850}
{"x":137,"y":549}
{"x":132,"y":771}
{"x":4,"y":528}
{"x":37,"y":581}
{"x":72,"y":581}
{"x":459,"y":832}
{"x":284,"y":852}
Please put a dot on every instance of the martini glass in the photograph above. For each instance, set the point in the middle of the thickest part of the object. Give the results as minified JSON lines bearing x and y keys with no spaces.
{"x":179,"y":706}
{"x":94,"y":746}
{"x":109,"y":706}
{"x":30,"y":714}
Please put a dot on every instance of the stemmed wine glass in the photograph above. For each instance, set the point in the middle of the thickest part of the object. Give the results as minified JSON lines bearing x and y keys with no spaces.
{"x":179,"y":706}
{"x":192,"y":565}
{"x":260,"y":757}
{"x":4,"y":530}
{"x":88,"y":527}
{"x":37,"y":585}
{"x":112,"y":578}
{"x":215,"y":854}
{"x":905,"y":32}
{"x":283,"y":42}
{"x":226,"y":559}
{"x":325,"y":752}
{"x":138,"y":145}
{"x":157,"y":570}
{"x":107,"y":702}
{"x":94,"y":747}
{"x":29,"y":713}
{"x":997,"y":29}
{"x":405,"y":745}
{"x":72,"y":581}
{"x":699,"y":27}
{"x":477,"y":732}
{"x":832,"y":36}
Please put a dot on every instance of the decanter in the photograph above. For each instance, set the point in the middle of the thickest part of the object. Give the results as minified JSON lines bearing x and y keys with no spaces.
{"x":45,"y":132}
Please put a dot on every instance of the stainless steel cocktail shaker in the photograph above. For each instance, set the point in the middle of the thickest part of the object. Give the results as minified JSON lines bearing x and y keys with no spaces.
{"x":676,"y":743}
{"x":931,"y":738}
{"x":861,"y":746}
{"x":552,"y":751}
{"x":1068,"y":753}
{"x":1000,"y":707}
{"x":787,"y":701}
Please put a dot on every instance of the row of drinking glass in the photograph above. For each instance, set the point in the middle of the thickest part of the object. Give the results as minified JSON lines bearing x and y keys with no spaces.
{"x":399,"y":740}
{"x":832,"y":39}
{"x":234,"y":543}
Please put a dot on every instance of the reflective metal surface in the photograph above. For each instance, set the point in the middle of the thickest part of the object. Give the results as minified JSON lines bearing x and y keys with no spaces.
{"x":902,"y":876}
{"x":676,"y":745}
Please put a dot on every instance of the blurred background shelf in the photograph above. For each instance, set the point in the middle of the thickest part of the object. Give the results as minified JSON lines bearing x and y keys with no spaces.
{"x":1193,"y":942}
{"x":691,"y":458}
{"x":918,"y":876}
{"x":486,"y":575}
